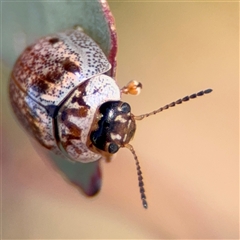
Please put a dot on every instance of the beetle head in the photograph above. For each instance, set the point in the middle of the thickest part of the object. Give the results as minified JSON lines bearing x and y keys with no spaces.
{"x":115,"y":127}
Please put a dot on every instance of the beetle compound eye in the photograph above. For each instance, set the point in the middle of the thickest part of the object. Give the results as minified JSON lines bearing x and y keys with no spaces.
{"x":113,"y":148}
{"x":125,"y":108}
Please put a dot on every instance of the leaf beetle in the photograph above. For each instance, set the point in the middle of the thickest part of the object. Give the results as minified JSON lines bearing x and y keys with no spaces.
{"x":61,"y":93}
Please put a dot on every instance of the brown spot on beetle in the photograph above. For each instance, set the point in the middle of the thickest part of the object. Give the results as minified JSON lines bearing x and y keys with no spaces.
{"x":76,"y":112}
{"x":77,"y":149}
{"x":53,"y":76}
{"x":68,"y":142}
{"x":53,"y":40}
{"x":82,"y":92}
{"x":39,"y":85}
{"x":83,"y":111}
{"x":70,"y":66}
{"x":82,"y":103}
{"x":73,"y":129}
{"x":29,"y":48}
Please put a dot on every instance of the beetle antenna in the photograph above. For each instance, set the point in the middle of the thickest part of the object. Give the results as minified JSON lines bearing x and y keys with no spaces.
{"x":140,"y":178}
{"x":179,"y":101}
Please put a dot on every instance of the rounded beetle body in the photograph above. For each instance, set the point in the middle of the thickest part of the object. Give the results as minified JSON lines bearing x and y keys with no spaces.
{"x":62,"y":94}
{"x":57,"y":86}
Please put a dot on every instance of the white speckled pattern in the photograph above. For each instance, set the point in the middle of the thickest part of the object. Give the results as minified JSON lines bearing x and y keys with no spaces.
{"x":55,"y":65}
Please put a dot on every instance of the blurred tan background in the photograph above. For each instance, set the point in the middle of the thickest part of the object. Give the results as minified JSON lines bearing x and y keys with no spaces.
{"x":188,"y":154}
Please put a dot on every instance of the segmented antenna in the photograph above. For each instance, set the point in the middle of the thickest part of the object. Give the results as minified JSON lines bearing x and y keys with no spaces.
{"x":140,"y":178}
{"x":179,"y":101}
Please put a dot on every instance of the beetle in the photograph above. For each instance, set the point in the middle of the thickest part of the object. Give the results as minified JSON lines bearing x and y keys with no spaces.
{"x":61,"y":93}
